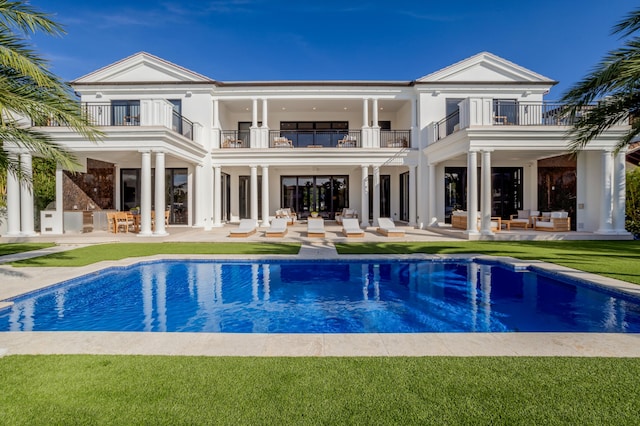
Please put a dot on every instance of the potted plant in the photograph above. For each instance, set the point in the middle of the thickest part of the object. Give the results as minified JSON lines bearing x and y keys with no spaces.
{"x":314,"y":214}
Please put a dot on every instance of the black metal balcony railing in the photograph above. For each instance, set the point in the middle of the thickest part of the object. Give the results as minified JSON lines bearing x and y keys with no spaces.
{"x":234,"y":139}
{"x":182,"y":125}
{"x":447,"y":125}
{"x":510,"y":113}
{"x":395,"y":138}
{"x":314,"y":138}
{"x":105,"y":114}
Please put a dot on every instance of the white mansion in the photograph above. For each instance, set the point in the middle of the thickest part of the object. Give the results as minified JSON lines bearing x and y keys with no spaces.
{"x":212,"y":152}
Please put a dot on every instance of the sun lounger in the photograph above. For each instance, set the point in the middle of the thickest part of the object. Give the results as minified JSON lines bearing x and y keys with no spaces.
{"x":351,"y":228}
{"x":247,"y":227}
{"x":315,"y":227}
{"x":278,"y":228}
{"x":388,"y":228}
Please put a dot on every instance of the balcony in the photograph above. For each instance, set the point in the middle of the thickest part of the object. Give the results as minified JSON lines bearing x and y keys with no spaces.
{"x":315,"y":139}
{"x":509,"y":113}
{"x":128,"y":114}
{"x":283,"y":139}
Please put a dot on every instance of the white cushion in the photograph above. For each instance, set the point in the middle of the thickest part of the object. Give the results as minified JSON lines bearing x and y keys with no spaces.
{"x":523,"y":214}
{"x":541,"y":224}
{"x":559,"y":215}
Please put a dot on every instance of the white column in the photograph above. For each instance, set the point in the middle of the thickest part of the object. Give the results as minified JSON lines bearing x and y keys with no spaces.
{"x":26,"y":195}
{"x":431,"y":197}
{"x":374,"y":113}
{"x":254,"y":117}
{"x":265,"y":195}
{"x":375,"y":129}
{"x":606,"y":212}
{"x":364,"y":197}
{"x":217,"y":196}
{"x":619,"y":193}
{"x":472,"y":192}
{"x":254,"y":194}
{"x":412,"y":195}
{"x":59,"y":190}
{"x":365,"y":112}
{"x":376,"y":194}
{"x":145,"y":194}
{"x":264,"y":113}
{"x":13,"y":202}
{"x":160,"y":200}
{"x":59,"y":216}
{"x":216,"y":114}
{"x":486,"y":193}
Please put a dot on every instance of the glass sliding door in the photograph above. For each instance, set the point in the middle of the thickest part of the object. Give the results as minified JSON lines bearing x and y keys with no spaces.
{"x":385,"y":196}
{"x":177,"y":196}
{"x":244,"y":194}
{"x":323,"y":194}
{"x":129,"y":189}
{"x":506,"y":191}
{"x":404,"y":196}
{"x":226,"y":197}
{"x":455,"y":190}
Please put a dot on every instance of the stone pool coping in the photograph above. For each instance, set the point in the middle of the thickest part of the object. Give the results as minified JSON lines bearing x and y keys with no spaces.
{"x":16,"y":281}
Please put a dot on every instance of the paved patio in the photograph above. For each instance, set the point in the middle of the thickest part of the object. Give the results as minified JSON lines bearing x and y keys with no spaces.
{"x":16,"y":281}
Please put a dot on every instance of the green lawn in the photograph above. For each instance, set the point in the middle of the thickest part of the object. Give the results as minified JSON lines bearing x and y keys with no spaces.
{"x":616,"y":259}
{"x":13,"y":248}
{"x":91,"y":254}
{"x":368,"y":391}
{"x":394,"y":390}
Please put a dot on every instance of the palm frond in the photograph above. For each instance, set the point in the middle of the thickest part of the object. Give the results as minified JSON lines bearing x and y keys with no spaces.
{"x":629,"y":25}
{"x":27,"y":19}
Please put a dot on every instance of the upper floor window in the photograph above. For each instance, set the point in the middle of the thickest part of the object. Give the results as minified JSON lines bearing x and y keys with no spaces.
{"x":177,"y":115}
{"x":125,"y":113}
{"x":452,"y":114}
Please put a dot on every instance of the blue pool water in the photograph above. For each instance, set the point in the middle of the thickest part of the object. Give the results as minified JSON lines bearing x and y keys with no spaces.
{"x":322,"y":297}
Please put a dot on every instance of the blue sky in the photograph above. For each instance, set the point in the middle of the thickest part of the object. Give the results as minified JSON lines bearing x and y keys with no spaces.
{"x":246,"y":40}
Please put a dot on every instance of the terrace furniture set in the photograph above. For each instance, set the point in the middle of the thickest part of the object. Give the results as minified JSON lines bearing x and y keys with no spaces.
{"x":557,"y":221}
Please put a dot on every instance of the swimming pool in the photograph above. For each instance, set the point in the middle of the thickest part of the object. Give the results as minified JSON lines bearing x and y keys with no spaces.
{"x":322,"y":297}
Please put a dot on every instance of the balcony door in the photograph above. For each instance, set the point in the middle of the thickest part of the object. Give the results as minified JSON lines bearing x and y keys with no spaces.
{"x":314,"y":133}
{"x":125,"y":113}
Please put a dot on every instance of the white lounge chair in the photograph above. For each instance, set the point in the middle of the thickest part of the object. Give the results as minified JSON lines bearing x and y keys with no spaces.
{"x":315,"y":227}
{"x":278,"y":228}
{"x":351,"y":228}
{"x":247,"y":227}
{"x":388,"y":228}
